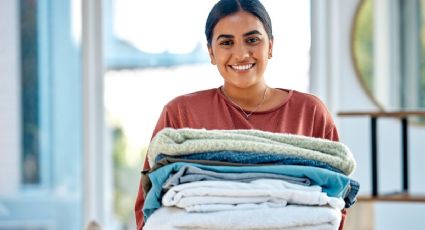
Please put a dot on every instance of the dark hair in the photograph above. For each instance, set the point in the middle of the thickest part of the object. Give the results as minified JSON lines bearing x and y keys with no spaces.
{"x":224,"y":8}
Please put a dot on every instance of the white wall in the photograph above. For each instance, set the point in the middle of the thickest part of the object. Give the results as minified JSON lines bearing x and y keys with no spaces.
{"x":9,"y":98}
{"x":355,"y":131}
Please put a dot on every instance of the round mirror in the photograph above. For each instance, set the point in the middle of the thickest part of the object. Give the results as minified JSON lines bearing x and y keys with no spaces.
{"x":388,"y":50}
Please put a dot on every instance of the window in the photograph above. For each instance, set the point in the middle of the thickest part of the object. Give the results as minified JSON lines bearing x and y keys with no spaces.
{"x":390,"y":57}
{"x":29,"y":93}
{"x":49,"y":194}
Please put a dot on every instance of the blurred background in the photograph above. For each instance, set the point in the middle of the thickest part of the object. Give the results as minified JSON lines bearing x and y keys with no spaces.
{"x":82,"y":84}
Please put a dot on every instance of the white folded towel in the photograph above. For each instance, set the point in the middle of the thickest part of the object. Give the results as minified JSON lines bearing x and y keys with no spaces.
{"x":291,"y":217}
{"x":229,"y":207}
{"x":257,"y":191}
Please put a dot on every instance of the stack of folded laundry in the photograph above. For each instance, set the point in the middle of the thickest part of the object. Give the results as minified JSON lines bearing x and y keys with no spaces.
{"x":246,"y":179}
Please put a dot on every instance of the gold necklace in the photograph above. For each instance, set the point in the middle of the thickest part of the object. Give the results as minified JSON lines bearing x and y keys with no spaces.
{"x":247,"y":115}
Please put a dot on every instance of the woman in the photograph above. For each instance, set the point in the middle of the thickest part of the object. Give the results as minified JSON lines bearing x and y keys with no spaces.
{"x":240,"y":43}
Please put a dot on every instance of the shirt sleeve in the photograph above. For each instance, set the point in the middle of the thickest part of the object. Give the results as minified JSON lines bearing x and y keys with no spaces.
{"x":325,"y":125}
{"x":332,"y":134}
{"x":165,"y":120}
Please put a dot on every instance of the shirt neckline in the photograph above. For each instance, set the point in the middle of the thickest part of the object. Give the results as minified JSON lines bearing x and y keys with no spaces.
{"x":284,"y":102}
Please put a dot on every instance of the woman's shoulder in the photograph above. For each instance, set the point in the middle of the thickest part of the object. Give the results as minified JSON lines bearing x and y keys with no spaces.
{"x":307,"y":99}
{"x":301,"y":101}
{"x":193,"y":98}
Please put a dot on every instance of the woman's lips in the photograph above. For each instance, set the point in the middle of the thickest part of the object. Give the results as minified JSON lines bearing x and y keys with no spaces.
{"x":243,"y":67}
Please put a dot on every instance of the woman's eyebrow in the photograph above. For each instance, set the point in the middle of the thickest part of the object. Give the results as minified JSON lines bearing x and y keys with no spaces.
{"x":225,"y":36}
{"x":251,"y":33}
{"x":245,"y":34}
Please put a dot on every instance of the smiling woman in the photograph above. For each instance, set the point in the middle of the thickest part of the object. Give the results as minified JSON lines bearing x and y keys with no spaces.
{"x":240,"y":43}
{"x":150,"y":84}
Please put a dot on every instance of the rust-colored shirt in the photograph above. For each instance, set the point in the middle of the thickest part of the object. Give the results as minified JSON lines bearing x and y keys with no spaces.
{"x":299,"y":113}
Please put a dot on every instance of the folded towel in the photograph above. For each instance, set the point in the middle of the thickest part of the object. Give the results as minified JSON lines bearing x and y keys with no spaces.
{"x":230,"y":207}
{"x":190,"y":174}
{"x":245,"y":158}
{"x":332,"y":183}
{"x":290,"y":217}
{"x":257,"y":191}
{"x":188,"y":141}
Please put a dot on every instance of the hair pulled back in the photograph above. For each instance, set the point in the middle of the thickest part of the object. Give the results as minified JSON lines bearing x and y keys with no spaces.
{"x":225,"y":8}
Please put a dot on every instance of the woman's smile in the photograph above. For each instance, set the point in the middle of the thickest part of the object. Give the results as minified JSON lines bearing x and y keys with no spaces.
{"x":240,"y":68}
{"x":240,"y":49}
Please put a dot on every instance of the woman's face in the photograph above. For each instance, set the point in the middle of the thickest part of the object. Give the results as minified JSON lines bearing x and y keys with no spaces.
{"x":240,"y":48}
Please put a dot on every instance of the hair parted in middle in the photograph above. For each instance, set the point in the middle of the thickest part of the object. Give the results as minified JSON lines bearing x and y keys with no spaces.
{"x":225,"y":8}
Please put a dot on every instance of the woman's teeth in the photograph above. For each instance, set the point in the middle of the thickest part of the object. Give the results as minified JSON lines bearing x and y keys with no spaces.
{"x":242,"y":67}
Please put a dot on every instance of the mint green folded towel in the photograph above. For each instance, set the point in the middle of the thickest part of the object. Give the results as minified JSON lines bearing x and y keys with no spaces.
{"x":185,"y":141}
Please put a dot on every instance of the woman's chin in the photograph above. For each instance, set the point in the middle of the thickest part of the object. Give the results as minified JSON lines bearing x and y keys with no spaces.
{"x":243,"y":84}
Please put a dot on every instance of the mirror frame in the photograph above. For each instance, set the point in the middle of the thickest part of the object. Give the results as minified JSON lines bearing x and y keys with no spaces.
{"x":354,"y":60}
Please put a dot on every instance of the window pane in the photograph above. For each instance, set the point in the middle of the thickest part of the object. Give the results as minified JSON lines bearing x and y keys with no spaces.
{"x":49,"y":195}
{"x":29,"y":93}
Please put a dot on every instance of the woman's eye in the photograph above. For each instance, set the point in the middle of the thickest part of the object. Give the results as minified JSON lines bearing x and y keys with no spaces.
{"x":252,"y":40}
{"x":226,"y":43}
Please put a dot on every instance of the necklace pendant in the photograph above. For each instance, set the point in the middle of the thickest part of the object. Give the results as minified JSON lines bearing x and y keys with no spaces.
{"x":247,"y":115}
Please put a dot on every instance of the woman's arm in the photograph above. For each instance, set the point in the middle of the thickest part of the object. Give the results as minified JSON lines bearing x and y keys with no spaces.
{"x":165,"y":120}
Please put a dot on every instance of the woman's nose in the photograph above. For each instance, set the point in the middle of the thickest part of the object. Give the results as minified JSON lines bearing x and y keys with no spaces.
{"x":241,"y":52}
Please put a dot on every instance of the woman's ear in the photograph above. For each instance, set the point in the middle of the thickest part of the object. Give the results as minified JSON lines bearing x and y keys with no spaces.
{"x":270,"y":48}
{"x":210,"y":51}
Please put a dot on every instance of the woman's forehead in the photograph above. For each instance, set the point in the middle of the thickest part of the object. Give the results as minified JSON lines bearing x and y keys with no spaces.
{"x":238,"y":24}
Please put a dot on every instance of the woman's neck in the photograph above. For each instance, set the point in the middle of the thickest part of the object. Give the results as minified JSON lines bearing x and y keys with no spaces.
{"x":248,"y":98}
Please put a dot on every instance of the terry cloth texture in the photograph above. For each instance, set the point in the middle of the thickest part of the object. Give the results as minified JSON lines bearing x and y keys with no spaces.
{"x":332,"y":183}
{"x":250,"y":158}
{"x":233,"y":207}
{"x":192,"y":174}
{"x":185,"y":141}
{"x":258,"y":191}
{"x":290,"y":217}
{"x":350,"y":197}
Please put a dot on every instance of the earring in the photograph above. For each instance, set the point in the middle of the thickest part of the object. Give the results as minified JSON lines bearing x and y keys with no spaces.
{"x":270,"y":55}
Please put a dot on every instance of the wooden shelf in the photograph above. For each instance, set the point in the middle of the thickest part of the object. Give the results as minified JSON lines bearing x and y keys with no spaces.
{"x":400,"y":197}
{"x":404,"y":113}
